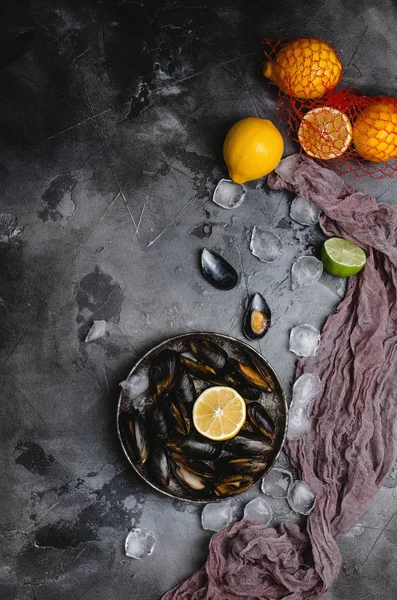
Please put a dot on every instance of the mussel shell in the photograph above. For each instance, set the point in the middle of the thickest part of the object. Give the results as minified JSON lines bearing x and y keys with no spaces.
{"x":185,"y":390}
{"x":239,"y":466}
{"x":201,"y":371}
{"x":255,"y":378}
{"x":157,"y":422}
{"x":249,"y":393}
{"x":176,"y":414}
{"x":196,"y":466}
{"x":217,"y":270}
{"x":133,"y":428}
{"x":209,"y":353}
{"x":196,"y":446}
{"x":234,"y":484}
{"x":190,"y":480}
{"x":264,"y":373}
{"x":158,"y":465}
{"x":163,"y":373}
{"x":257,"y":318}
{"x":261,"y":420}
{"x":247,"y":444}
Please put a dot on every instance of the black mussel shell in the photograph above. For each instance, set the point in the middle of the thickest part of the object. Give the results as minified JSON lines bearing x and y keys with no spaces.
{"x":264,"y":373}
{"x":157,"y":423}
{"x":209,"y":353}
{"x":261,"y":420}
{"x":190,"y":480}
{"x":257,"y":318}
{"x":163,"y":373}
{"x":176,"y":414}
{"x":185,"y":390}
{"x":239,"y":466}
{"x":253,"y":377}
{"x":249,"y":393}
{"x":200,"y":370}
{"x":196,"y":446}
{"x":217,"y":270}
{"x":134,"y":432}
{"x":233,"y":484}
{"x":196,"y":466}
{"x":158,"y":465}
{"x":247,"y":444}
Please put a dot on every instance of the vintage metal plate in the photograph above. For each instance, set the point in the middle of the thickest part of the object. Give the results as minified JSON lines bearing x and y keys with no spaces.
{"x":275,"y":403}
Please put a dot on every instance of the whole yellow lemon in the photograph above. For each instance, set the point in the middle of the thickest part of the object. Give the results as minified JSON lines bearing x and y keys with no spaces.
{"x":305,"y":68}
{"x":375,"y":132}
{"x":252,"y":148}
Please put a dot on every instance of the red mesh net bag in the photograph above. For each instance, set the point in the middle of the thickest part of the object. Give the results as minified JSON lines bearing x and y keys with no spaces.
{"x":341,"y":128}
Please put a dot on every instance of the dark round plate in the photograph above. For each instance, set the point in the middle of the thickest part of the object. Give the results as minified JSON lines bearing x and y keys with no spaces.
{"x":138,"y":397}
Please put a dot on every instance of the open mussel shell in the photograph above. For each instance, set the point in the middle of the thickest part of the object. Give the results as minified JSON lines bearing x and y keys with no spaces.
{"x":217,"y":270}
{"x":253,"y":377}
{"x":261,"y":420}
{"x":200,"y":370}
{"x":196,"y":446}
{"x":133,"y":429}
{"x":233,"y":484}
{"x":158,"y":466}
{"x":196,"y":466}
{"x":185,"y":390}
{"x":163,"y":373}
{"x":247,"y":444}
{"x":257,"y":318}
{"x":209,"y":353}
{"x":158,"y":424}
{"x":226,"y":465}
{"x":176,"y":414}
{"x":190,"y":480}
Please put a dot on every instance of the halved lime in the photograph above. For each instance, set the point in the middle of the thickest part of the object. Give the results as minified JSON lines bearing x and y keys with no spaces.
{"x":342,"y":258}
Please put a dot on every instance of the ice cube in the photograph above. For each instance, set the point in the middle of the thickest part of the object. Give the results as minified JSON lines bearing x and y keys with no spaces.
{"x":301,"y":497}
{"x":139,"y":543}
{"x":304,"y":340}
{"x":282,"y":512}
{"x":136,"y":385}
{"x":306,"y":387}
{"x":228,"y":194}
{"x":303,"y":211}
{"x":216,"y":516}
{"x":266,"y":245}
{"x":97,"y":331}
{"x":276,"y":483}
{"x":258,"y":509}
{"x":286,"y":168}
{"x":298,"y":424}
{"x":306,"y":271}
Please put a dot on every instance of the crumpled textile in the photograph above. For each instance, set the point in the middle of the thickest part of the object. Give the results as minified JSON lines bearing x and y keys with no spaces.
{"x":353,"y":441}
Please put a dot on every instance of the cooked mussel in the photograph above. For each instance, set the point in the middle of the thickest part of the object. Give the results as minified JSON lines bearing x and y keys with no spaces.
{"x":261,"y":420}
{"x":158,"y":465}
{"x":185,"y":390}
{"x":263,"y":372}
{"x":157,"y":423}
{"x":249,"y":393}
{"x":233,"y":484}
{"x":254,"y":378}
{"x":163,"y":373}
{"x":196,"y":466}
{"x":239,"y":466}
{"x":134,"y":433}
{"x":209,"y":353}
{"x":217,"y":270}
{"x":176,"y":414}
{"x":191,"y":480}
{"x":196,"y":446}
{"x":257,"y":318}
{"x":247,"y":444}
{"x":200,"y":370}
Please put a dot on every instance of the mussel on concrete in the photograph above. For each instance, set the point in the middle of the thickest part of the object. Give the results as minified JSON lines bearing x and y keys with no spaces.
{"x":247,"y":444}
{"x":163,"y":373}
{"x":134,"y":433}
{"x":185,"y":390}
{"x":233,"y":484}
{"x":176,"y":414}
{"x":239,"y":466}
{"x":190,"y":480}
{"x":261,"y":420}
{"x":158,"y":465}
{"x":217,"y":270}
{"x":200,"y":370}
{"x":257,"y":318}
{"x":196,"y":446}
{"x":209,"y":353}
{"x":195,"y":466}
{"x":157,"y":423}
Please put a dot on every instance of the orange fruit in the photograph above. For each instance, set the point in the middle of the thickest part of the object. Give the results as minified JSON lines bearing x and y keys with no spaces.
{"x":375,"y":132}
{"x":325,"y":132}
{"x":305,"y":68}
{"x":219,"y":413}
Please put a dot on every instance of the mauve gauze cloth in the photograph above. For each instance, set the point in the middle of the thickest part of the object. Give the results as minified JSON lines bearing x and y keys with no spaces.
{"x":353,"y":442}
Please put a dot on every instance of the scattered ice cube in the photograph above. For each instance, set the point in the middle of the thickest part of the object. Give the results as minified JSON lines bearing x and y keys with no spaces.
{"x":282,"y":512}
{"x":258,"y":509}
{"x":286,"y":168}
{"x":304,"y":340}
{"x":216,"y":516}
{"x":298,"y":424}
{"x":306,"y":271}
{"x":140,"y":543}
{"x":265,"y":245}
{"x":306,"y":387}
{"x":301,"y":497}
{"x":276,"y":483}
{"x":136,"y":385}
{"x":228,"y":194}
{"x":97,"y":331}
{"x":303,"y":211}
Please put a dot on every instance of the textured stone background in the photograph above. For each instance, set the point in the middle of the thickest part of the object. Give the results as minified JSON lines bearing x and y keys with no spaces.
{"x":112,"y":116}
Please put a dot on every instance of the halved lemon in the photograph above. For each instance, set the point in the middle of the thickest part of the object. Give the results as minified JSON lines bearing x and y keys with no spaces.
{"x":219,"y":413}
{"x":325,"y":133}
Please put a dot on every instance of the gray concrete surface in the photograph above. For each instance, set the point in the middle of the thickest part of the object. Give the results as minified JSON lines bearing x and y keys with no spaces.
{"x":112,"y":119}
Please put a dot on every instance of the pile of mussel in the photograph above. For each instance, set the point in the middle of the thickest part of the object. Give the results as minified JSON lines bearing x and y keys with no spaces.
{"x":163,"y":441}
